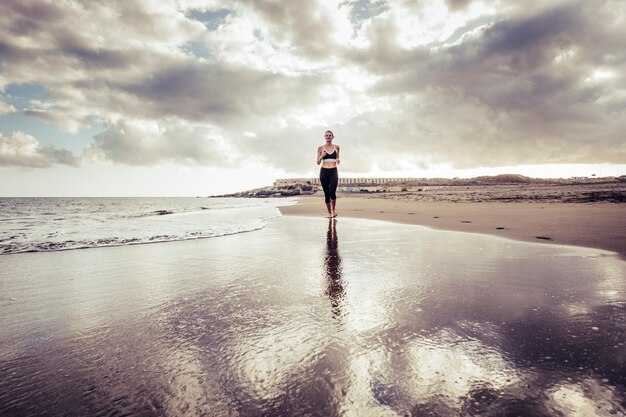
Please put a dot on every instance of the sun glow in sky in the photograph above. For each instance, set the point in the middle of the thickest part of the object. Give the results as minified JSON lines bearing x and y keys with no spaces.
{"x":199,"y":97}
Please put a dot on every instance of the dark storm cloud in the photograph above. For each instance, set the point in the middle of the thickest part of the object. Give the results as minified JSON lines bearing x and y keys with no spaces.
{"x":510,"y":76}
{"x":517,"y":34}
{"x":503,"y":52}
{"x":457,"y":4}
{"x":47,"y":23}
{"x":141,"y":82}
{"x":28,"y":15}
{"x":218,"y":94}
{"x":9,"y":52}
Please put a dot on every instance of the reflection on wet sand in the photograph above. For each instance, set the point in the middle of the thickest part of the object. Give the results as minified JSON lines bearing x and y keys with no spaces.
{"x":335,"y":289}
{"x":437,"y":324}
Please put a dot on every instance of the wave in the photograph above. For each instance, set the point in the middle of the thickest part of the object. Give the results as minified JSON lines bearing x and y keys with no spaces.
{"x":161,"y":212}
{"x":51,"y":246}
{"x":169,"y":211}
{"x":128,"y":222}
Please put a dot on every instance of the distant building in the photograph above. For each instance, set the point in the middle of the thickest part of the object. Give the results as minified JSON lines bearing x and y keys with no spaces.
{"x":348,"y":181}
{"x":359,"y":185}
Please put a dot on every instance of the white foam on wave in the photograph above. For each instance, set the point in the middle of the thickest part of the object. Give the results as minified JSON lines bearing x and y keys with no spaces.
{"x":136,"y":221}
{"x":50,"y":246}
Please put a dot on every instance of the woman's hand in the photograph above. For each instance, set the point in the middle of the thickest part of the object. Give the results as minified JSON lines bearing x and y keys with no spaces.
{"x":320,"y":155}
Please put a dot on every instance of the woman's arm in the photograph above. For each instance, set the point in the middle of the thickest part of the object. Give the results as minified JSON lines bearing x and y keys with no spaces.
{"x":319,"y":154}
{"x":337,"y":149}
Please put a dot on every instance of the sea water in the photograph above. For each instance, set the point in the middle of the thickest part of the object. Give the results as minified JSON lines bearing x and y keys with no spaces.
{"x":49,"y":224}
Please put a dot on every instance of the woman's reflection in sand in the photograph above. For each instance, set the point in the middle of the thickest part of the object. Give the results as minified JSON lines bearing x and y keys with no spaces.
{"x":332,"y":262}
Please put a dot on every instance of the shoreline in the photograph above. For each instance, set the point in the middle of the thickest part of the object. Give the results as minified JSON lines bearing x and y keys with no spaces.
{"x":599,"y":225}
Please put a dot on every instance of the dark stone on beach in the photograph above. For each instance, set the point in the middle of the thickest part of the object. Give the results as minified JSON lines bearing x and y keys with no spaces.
{"x":499,"y":228}
{"x":465,"y":221}
{"x":543,"y":237}
{"x":595,"y":196}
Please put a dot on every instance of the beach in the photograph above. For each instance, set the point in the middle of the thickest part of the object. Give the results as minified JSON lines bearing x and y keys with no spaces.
{"x":590,"y":224}
{"x":309,"y":316}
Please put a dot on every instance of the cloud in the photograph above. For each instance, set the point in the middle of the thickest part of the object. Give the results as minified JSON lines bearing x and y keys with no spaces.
{"x":6,"y":108}
{"x":138,"y":70}
{"x":21,"y":150}
{"x":467,"y":83}
{"x":67,"y":121}
{"x":312,"y":28}
{"x":221,"y":94}
{"x":516,"y":90}
{"x":457,"y":4}
{"x":145,"y":143}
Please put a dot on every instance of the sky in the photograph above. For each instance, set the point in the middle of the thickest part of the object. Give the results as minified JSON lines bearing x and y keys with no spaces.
{"x":205,"y":97}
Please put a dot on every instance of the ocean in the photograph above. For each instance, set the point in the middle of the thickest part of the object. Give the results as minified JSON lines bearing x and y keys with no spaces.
{"x":51,"y":224}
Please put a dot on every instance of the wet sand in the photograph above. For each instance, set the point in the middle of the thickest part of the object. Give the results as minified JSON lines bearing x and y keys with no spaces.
{"x":314,"y":317}
{"x":599,"y":225}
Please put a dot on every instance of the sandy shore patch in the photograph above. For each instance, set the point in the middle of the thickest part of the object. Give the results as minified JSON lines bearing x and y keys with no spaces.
{"x":598,"y":225}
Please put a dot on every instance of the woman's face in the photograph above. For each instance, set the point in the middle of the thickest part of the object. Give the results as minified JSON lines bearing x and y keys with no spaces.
{"x":329,"y":136}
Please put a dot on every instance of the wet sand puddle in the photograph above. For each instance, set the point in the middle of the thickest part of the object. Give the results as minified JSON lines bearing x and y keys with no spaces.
{"x":315,"y":317}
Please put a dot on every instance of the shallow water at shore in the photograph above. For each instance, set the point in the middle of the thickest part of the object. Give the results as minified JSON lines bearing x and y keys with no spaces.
{"x":315,"y":317}
{"x":54,"y":224}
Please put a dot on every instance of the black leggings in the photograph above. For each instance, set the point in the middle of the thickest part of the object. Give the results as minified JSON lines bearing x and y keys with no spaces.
{"x":329,"y":177}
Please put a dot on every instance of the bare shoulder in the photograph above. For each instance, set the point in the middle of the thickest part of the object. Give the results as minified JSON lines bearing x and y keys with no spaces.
{"x":337,"y":147}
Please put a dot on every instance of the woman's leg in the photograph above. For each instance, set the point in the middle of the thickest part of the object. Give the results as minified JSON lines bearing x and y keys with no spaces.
{"x":325,"y":181}
{"x":332,"y":190}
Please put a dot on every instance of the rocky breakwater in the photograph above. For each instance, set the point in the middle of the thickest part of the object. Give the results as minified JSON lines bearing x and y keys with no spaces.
{"x":274,"y":191}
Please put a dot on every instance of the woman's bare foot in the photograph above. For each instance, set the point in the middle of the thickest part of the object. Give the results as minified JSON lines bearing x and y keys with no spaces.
{"x":334,"y":213}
